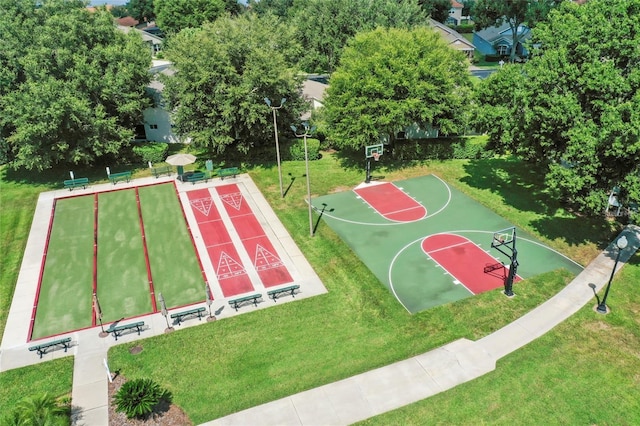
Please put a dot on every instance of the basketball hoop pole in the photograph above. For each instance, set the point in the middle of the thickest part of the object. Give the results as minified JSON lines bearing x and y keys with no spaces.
{"x":367,"y":178}
{"x":513,"y":267}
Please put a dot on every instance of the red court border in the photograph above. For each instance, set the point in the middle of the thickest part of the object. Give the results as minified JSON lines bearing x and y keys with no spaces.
{"x":464,"y":260}
{"x":391,"y":202}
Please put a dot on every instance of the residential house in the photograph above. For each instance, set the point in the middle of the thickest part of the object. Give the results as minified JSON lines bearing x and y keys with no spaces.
{"x":154,"y":42}
{"x":499,"y":40}
{"x":313,"y":90}
{"x":455,"y":14}
{"x":454,"y":39}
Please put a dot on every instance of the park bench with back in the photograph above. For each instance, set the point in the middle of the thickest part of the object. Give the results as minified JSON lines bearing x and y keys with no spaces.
{"x":162,"y":170}
{"x":274,"y":294}
{"x":42,"y":348}
{"x":179,"y":316}
{"x":76,"y":183}
{"x":119,"y":330}
{"x":121,"y":176}
{"x":196,"y":177}
{"x":236,"y":303}
{"x":230,"y":171}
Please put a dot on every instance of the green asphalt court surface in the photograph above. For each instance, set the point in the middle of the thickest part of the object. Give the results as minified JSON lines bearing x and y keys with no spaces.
{"x":393,"y":251}
{"x":122,"y":267}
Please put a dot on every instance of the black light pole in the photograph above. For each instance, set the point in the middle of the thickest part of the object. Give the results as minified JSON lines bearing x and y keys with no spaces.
{"x":275,"y":130}
{"x":307,"y":132}
{"x":621,"y":244}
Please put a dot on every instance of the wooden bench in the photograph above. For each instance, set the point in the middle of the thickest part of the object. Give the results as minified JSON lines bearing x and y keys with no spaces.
{"x":117,"y":177}
{"x":76,"y":183}
{"x":162,"y":170}
{"x":120,"y":329}
{"x":231,"y":171}
{"x":274,"y":294}
{"x":43,"y":347}
{"x":180,"y":315}
{"x":236,"y":303}
{"x":196,"y":177}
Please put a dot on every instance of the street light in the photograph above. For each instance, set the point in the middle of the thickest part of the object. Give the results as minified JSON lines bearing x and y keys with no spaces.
{"x":307,"y":132}
{"x":275,"y":130}
{"x":621,"y":244}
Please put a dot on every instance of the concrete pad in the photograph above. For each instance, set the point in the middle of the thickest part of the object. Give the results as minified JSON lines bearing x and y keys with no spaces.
{"x":314,"y":407}
{"x":277,"y":413}
{"x":94,"y":417}
{"x":348,"y":401}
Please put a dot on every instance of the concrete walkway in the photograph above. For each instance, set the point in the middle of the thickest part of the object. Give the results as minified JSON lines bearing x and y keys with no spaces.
{"x":340,"y":403}
{"x":405,"y":382}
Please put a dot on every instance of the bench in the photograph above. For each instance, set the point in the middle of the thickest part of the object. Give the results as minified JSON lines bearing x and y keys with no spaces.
{"x":180,"y":315}
{"x":76,"y":183}
{"x":274,"y":294}
{"x":236,"y":303}
{"x":117,"y":177}
{"x":231,"y":171}
{"x":162,"y":170}
{"x":43,"y":347}
{"x":196,"y":177}
{"x":120,"y":329}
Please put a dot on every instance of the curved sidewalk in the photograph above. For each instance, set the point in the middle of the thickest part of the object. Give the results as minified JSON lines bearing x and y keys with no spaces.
{"x":405,"y":382}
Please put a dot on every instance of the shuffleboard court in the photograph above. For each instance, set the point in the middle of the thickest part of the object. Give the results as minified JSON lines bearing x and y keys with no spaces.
{"x":391,"y":202}
{"x":230,"y":271}
{"x":267,"y":263}
{"x":67,"y":273}
{"x":465,"y":261}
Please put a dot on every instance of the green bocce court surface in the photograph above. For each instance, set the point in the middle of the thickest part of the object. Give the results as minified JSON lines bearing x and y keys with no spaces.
{"x":393,"y":251}
{"x":128,"y":246}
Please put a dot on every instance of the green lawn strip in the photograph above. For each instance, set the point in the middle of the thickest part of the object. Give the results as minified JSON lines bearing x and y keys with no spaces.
{"x":17,"y":203}
{"x":53,"y":377}
{"x":174,"y":264}
{"x":584,"y":371}
{"x":64,"y":302}
{"x":123,"y":285}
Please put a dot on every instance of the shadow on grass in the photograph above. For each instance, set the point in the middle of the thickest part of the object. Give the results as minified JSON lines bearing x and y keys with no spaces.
{"x":521,"y":185}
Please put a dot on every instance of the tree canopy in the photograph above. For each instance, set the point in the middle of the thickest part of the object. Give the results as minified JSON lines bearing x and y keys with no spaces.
{"x":436,"y":9}
{"x":72,"y":87}
{"x":224,"y":70}
{"x":392,"y":78}
{"x":325,"y":26}
{"x":142,"y":10}
{"x":175,"y":15}
{"x":576,"y":104}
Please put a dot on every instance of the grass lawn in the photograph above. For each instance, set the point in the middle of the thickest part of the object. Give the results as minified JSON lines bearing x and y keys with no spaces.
{"x":224,"y":366}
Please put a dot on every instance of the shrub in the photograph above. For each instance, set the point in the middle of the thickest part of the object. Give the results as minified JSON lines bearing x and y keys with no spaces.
{"x":155,"y":152}
{"x":493,"y":58}
{"x":137,"y":398}
{"x":296,"y":150}
{"x":44,"y":409}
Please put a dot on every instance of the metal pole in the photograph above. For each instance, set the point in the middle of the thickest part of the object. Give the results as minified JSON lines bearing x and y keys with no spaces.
{"x":275,"y":129}
{"x":306,"y":160}
{"x":602,"y":306}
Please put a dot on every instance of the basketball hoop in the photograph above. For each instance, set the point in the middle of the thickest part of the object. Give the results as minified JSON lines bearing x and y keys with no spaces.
{"x":376,"y":156}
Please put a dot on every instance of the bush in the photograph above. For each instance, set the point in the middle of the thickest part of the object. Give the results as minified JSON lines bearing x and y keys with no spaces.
{"x":137,"y":398}
{"x":296,"y":150}
{"x":44,"y":409}
{"x":443,"y":149}
{"x":493,"y":58}
{"x":155,"y":152}
{"x":464,"y":28}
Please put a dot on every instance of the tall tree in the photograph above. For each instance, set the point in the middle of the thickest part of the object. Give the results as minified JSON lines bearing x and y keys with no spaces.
{"x":576,"y":105}
{"x":72,"y":87}
{"x":175,"y":15}
{"x":142,"y":10}
{"x":324,"y":26}
{"x":224,"y":71}
{"x":436,"y":9}
{"x":392,"y":78}
{"x":494,"y":13}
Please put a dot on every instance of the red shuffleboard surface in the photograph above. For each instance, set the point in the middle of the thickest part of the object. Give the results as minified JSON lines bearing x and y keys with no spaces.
{"x":266,"y":261}
{"x":226,"y":262}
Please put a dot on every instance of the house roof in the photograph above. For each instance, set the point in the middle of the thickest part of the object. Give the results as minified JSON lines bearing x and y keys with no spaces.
{"x":127,"y":21}
{"x":492,"y":34}
{"x":312,"y":89}
{"x":145,"y":35}
{"x":456,"y":5}
{"x":452,"y":37}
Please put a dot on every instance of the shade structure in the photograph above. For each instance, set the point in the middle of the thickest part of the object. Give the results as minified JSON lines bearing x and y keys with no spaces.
{"x":180,"y":159}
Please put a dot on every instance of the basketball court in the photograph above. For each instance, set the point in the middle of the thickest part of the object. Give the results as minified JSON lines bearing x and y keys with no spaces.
{"x":429,"y":244}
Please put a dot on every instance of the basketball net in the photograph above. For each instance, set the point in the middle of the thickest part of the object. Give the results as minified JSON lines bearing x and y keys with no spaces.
{"x":376,"y":156}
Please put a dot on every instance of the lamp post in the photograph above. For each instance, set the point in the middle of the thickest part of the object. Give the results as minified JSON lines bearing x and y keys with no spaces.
{"x":621,"y":244}
{"x":307,"y":132}
{"x":275,"y":130}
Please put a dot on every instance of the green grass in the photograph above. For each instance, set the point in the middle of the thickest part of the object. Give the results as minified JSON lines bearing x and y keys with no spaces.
{"x":264,"y":355}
